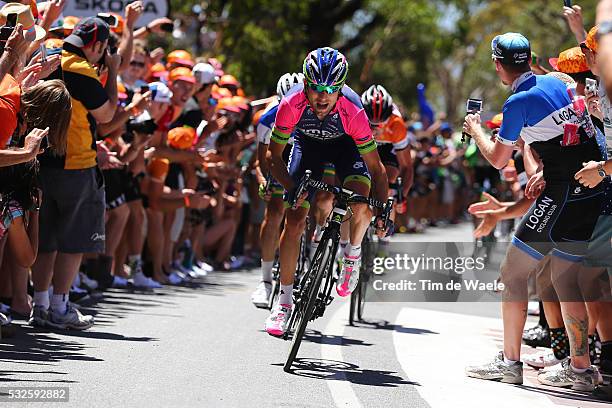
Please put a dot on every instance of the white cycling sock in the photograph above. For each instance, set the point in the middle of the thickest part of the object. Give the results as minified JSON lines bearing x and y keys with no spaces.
{"x":266,"y":270}
{"x":59,"y":303}
{"x":354,"y":251}
{"x":42,"y":299}
{"x":286,"y":295}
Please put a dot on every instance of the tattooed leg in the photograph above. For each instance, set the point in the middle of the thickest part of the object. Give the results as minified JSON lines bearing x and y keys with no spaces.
{"x":565,"y":280}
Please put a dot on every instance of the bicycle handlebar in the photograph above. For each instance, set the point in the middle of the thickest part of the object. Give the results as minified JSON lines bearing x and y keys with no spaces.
{"x":343,"y":194}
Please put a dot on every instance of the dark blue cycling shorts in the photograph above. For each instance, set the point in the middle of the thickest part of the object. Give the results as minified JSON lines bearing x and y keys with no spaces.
{"x":314,"y":155}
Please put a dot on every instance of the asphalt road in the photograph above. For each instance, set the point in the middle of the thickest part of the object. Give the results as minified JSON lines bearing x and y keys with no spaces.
{"x":204,"y":346}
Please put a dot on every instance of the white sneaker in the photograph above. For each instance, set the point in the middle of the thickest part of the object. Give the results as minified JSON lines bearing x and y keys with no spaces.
{"x":143,"y":282}
{"x":262,"y":294}
{"x":91,"y":284}
{"x":542,"y":359}
{"x":198,"y":272}
{"x":204,"y":266}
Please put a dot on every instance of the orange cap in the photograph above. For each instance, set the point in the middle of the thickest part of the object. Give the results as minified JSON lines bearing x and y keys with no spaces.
{"x":182,"y":74}
{"x":10,"y":103}
{"x":219,"y":93}
{"x":70,"y":22}
{"x":572,"y":61}
{"x":157,"y":72}
{"x":181,"y":137}
{"x":496,"y":121}
{"x":230,"y":80}
{"x":241,"y":102}
{"x":180,"y":57}
{"x":227,"y":104}
{"x":591,"y":40}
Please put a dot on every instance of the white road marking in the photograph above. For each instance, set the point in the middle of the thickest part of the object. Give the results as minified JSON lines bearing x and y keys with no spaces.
{"x":340,"y":388}
{"x":437,"y":361}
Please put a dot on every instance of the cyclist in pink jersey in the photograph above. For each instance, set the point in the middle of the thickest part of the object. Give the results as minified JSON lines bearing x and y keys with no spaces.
{"x":329,"y":125}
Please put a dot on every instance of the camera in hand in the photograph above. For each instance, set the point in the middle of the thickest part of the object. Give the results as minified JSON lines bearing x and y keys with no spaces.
{"x":142,"y":124}
{"x":7,"y":29}
{"x":473,"y":105}
{"x":111,"y":20}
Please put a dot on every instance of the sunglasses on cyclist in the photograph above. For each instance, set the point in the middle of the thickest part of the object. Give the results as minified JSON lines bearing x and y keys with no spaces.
{"x":324,"y":88}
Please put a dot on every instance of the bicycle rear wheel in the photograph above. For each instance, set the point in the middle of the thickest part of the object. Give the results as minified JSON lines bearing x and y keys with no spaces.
{"x":307,"y":301}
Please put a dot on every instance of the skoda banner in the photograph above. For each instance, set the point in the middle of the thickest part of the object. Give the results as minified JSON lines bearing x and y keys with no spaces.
{"x":86,"y":8}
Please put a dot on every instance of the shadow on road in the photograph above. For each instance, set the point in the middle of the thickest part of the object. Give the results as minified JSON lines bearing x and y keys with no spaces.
{"x":315,"y":336}
{"x":342,"y":371}
{"x":561,"y":393}
{"x":385,"y":325}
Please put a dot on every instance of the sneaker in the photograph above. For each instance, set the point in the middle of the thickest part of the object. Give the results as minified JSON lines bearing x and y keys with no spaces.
{"x":198,"y":272}
{"x":90,"y":284}
{"x":537,"y":336}
{"x":204,"y":266}
{"x":39,"y":317}
{"x":542,"y":359}
{"x":72,"y":319}
{"x":262,"y":294}
{"x":497,"y":370}
{"x":276,"y":323}
{"x":175,"y":278}
{"x":564,"y":376}
{"x":119,"y":282}
{"x":349,"y":276}
{"x":144,"y":282}
{"x":77,"y":295}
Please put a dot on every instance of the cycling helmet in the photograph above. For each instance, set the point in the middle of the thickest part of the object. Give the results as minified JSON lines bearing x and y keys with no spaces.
{"x":377,"y":103}
{"x":287,"y":81}
{"x":325,"y":69}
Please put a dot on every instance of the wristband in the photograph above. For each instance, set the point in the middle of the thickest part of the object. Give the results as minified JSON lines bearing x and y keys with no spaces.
{"x":187,"y":202}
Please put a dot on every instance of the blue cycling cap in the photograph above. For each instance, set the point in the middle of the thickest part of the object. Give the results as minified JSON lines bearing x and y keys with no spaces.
{"x":511,"y":49}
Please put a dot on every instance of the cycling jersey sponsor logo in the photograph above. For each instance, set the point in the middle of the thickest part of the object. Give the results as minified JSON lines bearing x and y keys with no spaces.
{"x":541,"y":215}
{"x":321,"y":134}
{"x":281,"y":128}
{"x":358,"y":165}
{"x":564,"y":115}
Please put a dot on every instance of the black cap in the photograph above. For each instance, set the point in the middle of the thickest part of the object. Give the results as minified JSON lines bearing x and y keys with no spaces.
{"x":88,"y":31}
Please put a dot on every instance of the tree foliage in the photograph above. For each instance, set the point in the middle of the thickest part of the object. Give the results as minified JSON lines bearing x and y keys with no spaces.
{"x":398,"y":43}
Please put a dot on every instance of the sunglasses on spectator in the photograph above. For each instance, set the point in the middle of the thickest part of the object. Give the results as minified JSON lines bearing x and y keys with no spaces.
{"x":137,"y":64}
{"x":324,"y":88}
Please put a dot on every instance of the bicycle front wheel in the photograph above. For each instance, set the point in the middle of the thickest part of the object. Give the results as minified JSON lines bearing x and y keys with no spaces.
{"x":310,"y":292}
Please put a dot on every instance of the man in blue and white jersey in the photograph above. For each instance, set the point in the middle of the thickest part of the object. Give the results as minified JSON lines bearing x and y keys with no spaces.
{"x":270,"y":227}
{"x":559,"y":223}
